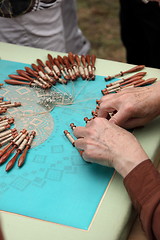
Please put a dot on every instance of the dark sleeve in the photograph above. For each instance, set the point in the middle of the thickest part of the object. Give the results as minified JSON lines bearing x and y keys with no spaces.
{"x":1,"y":235}
{"x":143,"y":186}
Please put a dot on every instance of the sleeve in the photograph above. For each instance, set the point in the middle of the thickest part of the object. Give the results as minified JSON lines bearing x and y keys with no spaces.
{"x":143,"y":186}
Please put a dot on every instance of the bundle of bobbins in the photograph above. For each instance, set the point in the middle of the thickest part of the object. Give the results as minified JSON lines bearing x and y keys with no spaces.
{"x":6,"y":134}
{"x":11,"y":138}
{"x":4,"y":105}
{"x":20,"y":144}
{"x":55,"y":70}
{"x":135,"y":80}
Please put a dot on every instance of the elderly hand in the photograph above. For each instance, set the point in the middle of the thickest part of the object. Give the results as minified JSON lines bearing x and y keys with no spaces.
{"x":134,"y":107}
{"x":107,"y":144}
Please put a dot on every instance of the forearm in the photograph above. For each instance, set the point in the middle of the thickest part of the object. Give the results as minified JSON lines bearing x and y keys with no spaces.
{"x":143,"y":186}
{"x":134,"y":156}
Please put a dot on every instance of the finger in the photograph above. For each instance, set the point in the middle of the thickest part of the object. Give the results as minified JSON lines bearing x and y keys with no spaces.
{"x":134,"y":122}
{"x":120,"y":117}
{"x":103,"y":162}
{"x":107,"y":97}
{"x":80,"y":144}
{"x":108,"y":104}
{"x":85,"y":157}
{"x":79,"y":132}
{"x":103,"y":111}
{"x":106,"y":107}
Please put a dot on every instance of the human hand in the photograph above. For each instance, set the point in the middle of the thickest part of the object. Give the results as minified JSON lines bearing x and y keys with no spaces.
{"x":132,"y":107}
{"x":107,"y":144}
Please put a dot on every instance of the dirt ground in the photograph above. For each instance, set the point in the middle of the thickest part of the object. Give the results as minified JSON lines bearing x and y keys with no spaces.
{"x":99,"y":21}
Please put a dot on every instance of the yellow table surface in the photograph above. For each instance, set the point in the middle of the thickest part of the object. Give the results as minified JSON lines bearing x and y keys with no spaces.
{"x":113,"y":218}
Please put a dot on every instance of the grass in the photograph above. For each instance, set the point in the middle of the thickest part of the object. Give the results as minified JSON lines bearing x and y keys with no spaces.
{"x":99,"y":21}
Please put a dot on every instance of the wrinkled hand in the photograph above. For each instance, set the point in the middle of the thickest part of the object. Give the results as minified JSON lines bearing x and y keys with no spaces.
{"x":134,"y":107}
{"x":107,"y":144}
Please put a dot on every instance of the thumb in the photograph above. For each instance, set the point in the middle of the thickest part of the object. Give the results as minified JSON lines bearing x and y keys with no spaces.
{"x":134,"y":122}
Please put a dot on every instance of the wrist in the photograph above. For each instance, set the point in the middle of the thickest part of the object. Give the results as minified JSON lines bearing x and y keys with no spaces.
{"x":125,"y":165}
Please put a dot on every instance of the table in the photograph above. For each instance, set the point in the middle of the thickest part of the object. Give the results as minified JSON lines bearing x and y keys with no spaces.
{"x":115,"y":214}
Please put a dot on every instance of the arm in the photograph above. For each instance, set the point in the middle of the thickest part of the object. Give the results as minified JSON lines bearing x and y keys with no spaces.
{"x":134,"y":107}
{"x":1,"y":234}
{"x":107,"y":144}
{"x":145,"y":196}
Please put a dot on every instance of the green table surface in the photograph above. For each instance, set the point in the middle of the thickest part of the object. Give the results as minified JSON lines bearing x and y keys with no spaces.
{"x":115,"y":214}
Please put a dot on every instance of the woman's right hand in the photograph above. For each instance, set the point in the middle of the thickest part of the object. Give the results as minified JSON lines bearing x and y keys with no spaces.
{"x":132,"y":107}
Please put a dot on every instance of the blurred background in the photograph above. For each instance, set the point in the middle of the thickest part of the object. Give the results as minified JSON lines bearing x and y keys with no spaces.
{"x":99,"y":21}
